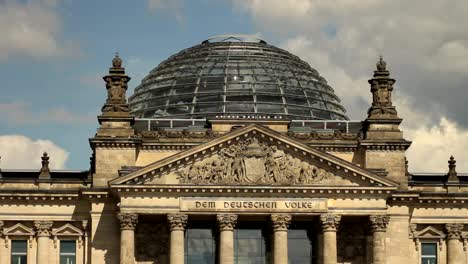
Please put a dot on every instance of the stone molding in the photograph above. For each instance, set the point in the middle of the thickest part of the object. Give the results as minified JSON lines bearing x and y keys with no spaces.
{"x":330,"y":222}
{"x":177,"y":221}
{"x":127,"y":221}
{"x":280,"y":222}
{"x":43,"y":228}
{"x":454,"y":231}
{"x":379,"y":223}
{"x":226,"y":222}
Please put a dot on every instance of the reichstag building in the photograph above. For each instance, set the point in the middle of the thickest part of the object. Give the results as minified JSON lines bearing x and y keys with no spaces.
{"x":235,"y":151}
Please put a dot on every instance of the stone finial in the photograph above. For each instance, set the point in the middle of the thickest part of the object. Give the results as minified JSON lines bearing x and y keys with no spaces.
{"x":43,"y":228}
{"x":330,"y":222}
{"x":226,"y":222}
{"x":116,"y":61}
{"x":379,"y":223}
{"x":452,"y":173}
{"x":381,"y":64}
{"x":381,"y":89}
{"x":45,"y":171}
{"x":454,"y":231}
{"x":127,"y":221}
{"x":116,"y":85}
{"x":177,"y":221}
{"x":280,"y":222}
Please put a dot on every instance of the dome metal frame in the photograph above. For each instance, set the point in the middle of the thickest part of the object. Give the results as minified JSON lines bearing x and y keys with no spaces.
{"x":239,"y":77}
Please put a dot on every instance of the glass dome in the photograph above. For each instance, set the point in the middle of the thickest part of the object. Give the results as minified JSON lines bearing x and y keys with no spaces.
{"x":235,"y":75}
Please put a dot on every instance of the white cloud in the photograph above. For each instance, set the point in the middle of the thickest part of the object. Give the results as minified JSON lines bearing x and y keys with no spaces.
{"x":20,"y":113}
{"x":32,"y":28}
{"x":174,"y":7}
{"x":20,"y":152}
{"x":433,"y":145}
{"x":425,"y":47}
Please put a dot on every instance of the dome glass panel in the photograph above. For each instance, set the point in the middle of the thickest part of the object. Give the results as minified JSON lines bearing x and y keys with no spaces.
{"x":231,"y":75}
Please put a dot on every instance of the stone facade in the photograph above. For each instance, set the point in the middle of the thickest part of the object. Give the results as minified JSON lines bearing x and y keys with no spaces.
{"x":144,"y":191}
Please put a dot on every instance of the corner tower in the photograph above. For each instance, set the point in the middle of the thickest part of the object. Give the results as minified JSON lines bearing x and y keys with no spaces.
{"x":114,"y":143}
{"x":383,"y":142}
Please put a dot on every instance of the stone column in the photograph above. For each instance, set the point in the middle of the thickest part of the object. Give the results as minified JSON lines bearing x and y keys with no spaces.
{"x":226,"y":224}
{"x":280,"y":224}
{"x":43,"y":229}
{"x":177,"y":224}
{"x":127,"y":237}
{"x":330,"y":224}
{"x":454,"y":246}
{"x":379,"y":225}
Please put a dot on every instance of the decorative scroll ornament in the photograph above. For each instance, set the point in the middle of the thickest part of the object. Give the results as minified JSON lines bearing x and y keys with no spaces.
{"x":252,"y":162}
{"x":226,"y":222}
{"x":379,"y":223}
{"x":43,"y":228}
{"x":116,"y":85}
{"x":454,"y":231}
{"x":280,"y":222}
{"x":127,"y":221}
{"x":330,"y":222}
{"x":381,"y":88}
{"x":177,"y":221}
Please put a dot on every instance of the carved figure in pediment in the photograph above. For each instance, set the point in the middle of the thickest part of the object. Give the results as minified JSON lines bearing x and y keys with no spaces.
{"x":252,"y":162}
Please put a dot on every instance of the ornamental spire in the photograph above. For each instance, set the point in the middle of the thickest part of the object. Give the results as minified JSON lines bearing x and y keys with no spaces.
{"x":45,"y":171}
{"x":452,"y":174}
{"x":381,"y":89}
{"x":116,"y":85}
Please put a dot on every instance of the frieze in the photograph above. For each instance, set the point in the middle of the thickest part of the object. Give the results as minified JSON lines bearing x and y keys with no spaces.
{"x":252,"y":162}
{"x":313,"y":135}
{"x":183,"y":133}
{"x":293,"y":205}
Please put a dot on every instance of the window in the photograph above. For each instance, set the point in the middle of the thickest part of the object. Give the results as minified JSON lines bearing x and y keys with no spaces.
{"x":67,"y":252}
{"x":250,"y":245}
{"x":429,"y":253}
{"x":19,"y":252}
{"x":200,"y":244}
{"x":299,"y":246}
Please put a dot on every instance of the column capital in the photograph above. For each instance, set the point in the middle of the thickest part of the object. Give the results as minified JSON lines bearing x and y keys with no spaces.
{"x":379,"y":223}
{"x":280,"y":222}
{"x":330,"y":222}
{"x":454,"y":231}
{"x":177,"y":221}
{"x":127,"y":221}
{"x":226,"y":222}
{"x":43,"y":228}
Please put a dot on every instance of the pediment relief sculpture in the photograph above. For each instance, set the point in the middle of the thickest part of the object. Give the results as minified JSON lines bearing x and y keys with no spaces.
{"x":252,"y":162}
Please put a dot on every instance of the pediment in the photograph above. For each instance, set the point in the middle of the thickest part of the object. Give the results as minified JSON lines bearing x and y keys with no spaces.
{"x":429,"y":233}
{"x":253,"y":155}
{"x":18,"y":230}
{"x":67,"y":230}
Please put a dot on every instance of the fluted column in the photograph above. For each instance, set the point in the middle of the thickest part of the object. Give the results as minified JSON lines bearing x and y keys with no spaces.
{"x":330,"y":223}
{"x":379,"y":225}
{"x":226,"y":224}
{"x":43,"y":229}
{"x":177,"y":224}
{"x":280,"y":224}
{"x":454,"y":246}
{"x":128,"y":223}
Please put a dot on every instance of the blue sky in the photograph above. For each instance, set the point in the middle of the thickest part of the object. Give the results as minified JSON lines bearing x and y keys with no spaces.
{"x":55,"y":52}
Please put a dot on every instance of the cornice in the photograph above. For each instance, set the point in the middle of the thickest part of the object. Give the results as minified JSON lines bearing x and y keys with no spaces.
{"x":39,"y":196}
{"x":197,"y":190}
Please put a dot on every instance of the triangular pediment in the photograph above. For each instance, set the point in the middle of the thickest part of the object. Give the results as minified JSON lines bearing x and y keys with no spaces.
{"x":429,"y":232}
{"x":18,"y":230}
{"x":67,"y":230}
{"x":253,"y":155}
